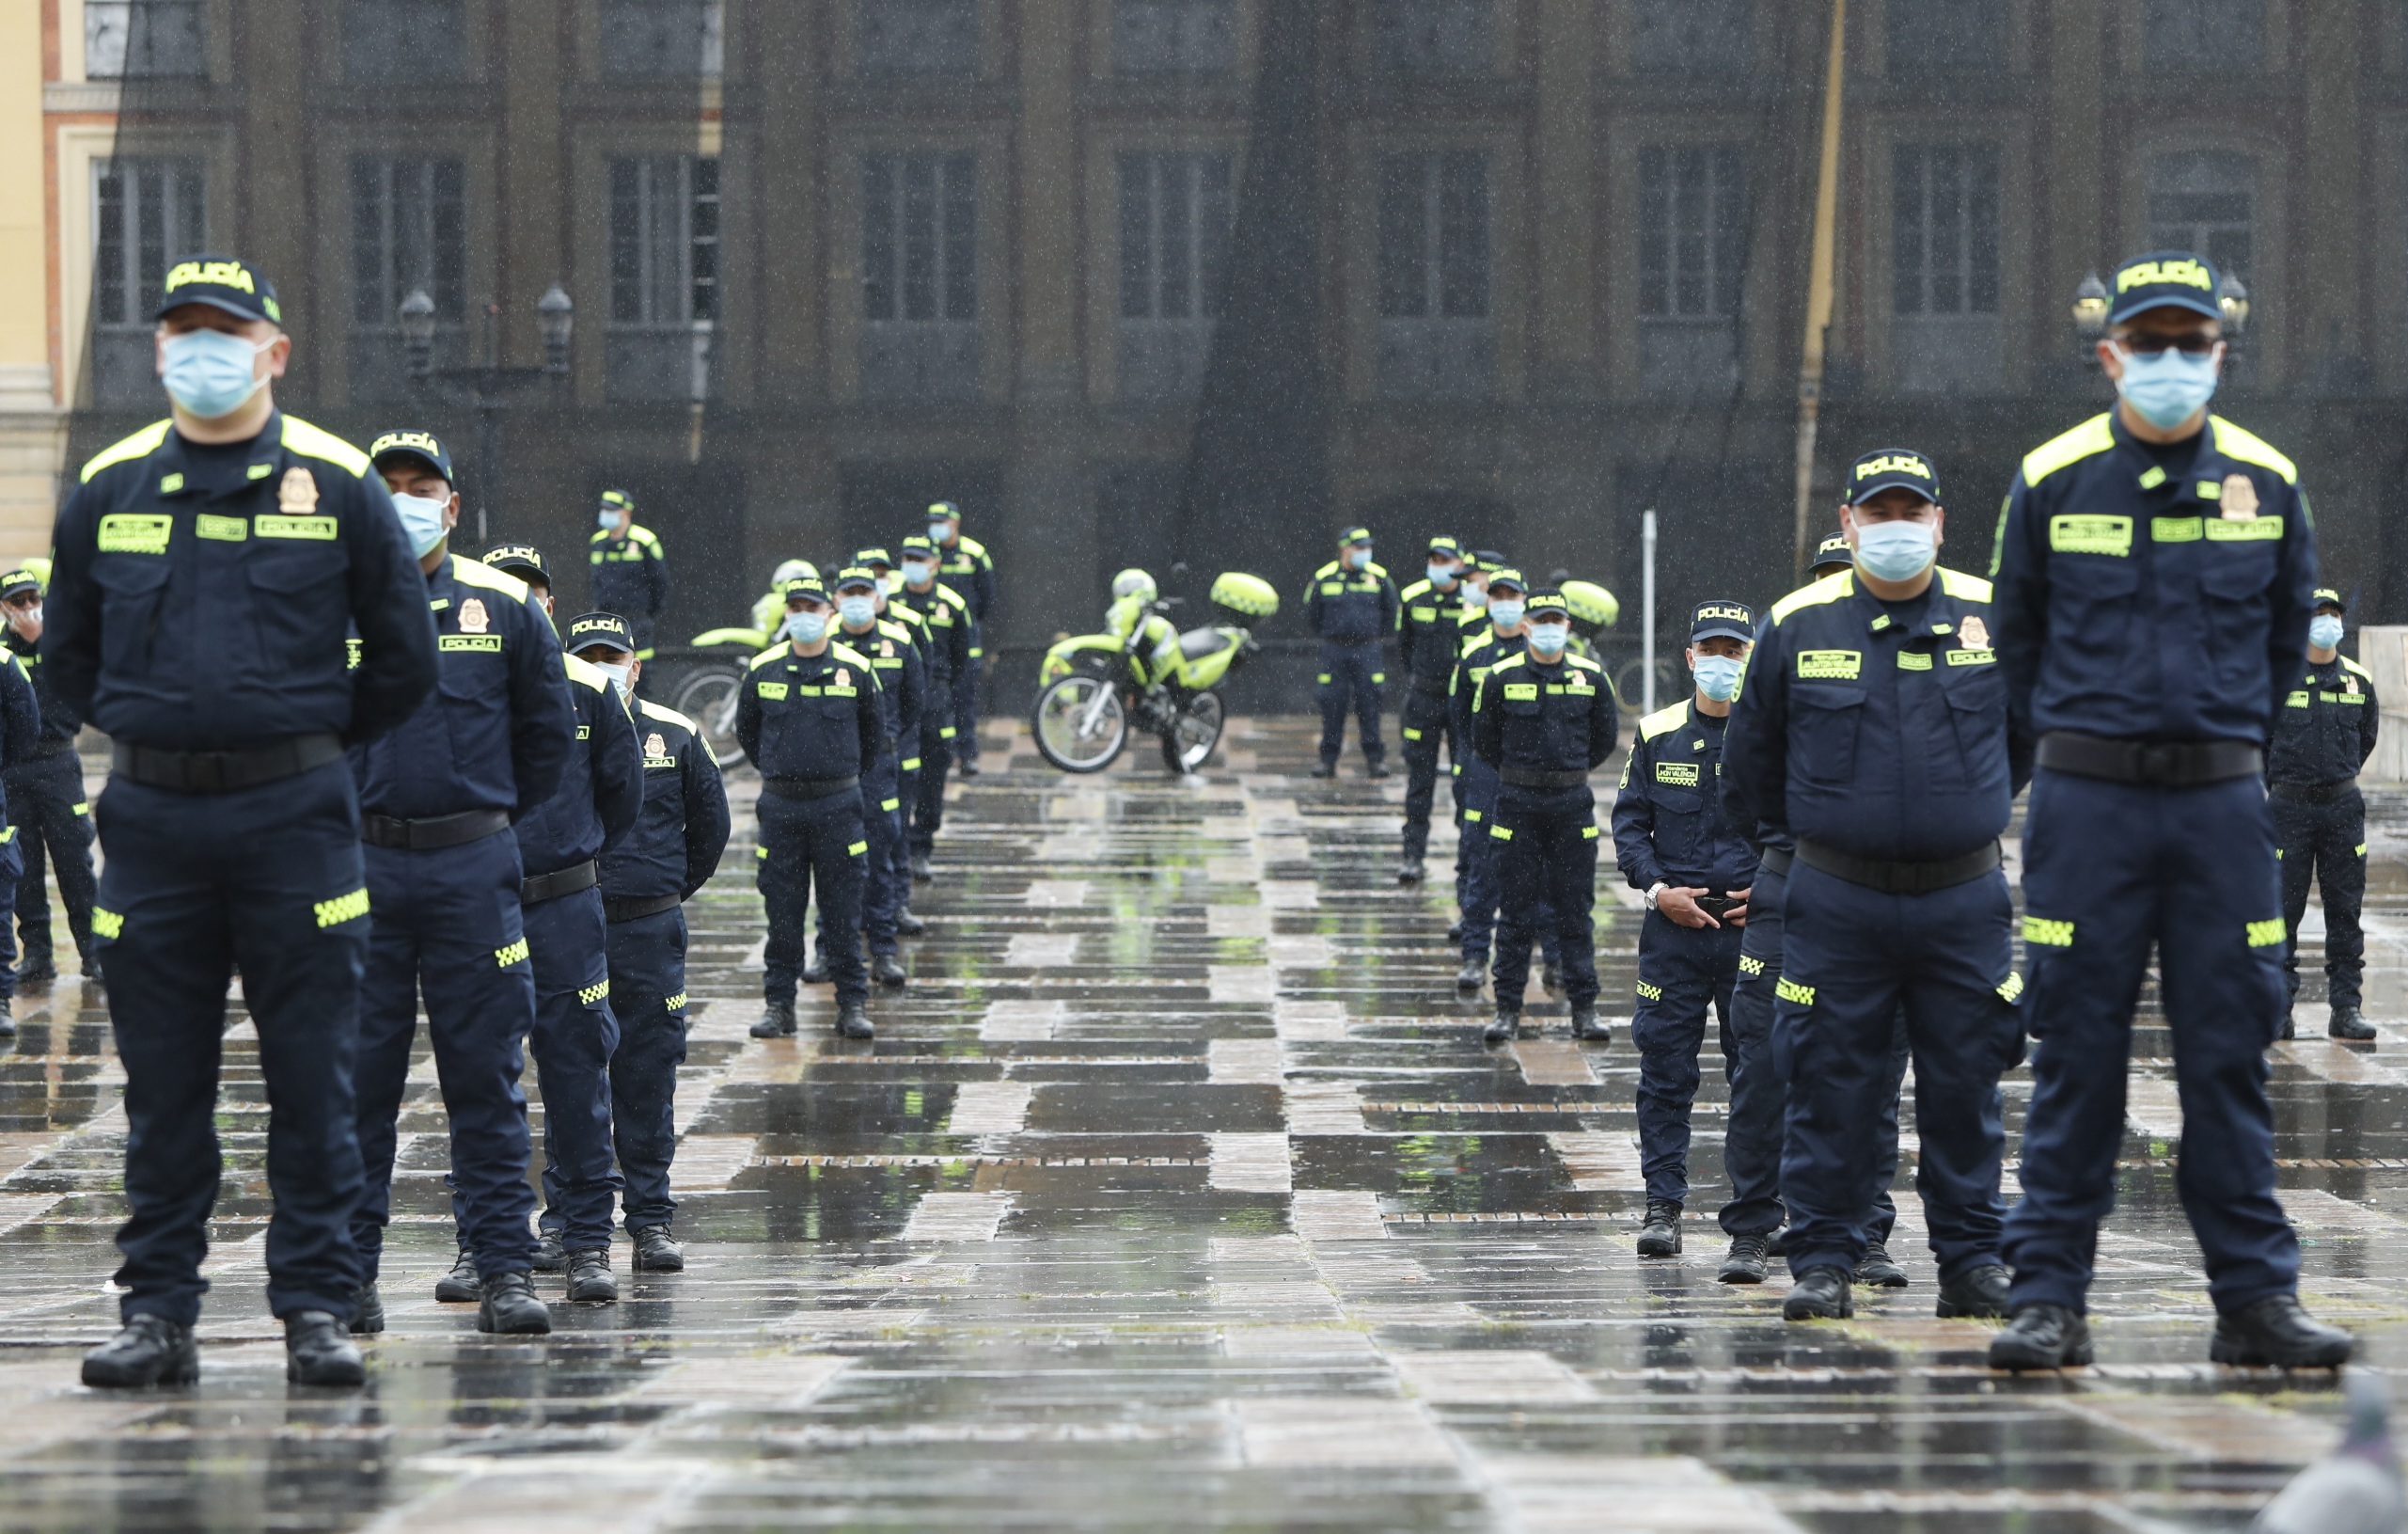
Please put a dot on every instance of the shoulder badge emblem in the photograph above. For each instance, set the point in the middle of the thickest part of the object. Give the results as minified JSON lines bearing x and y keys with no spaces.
{"x":654,"y":745}
{"x":296,"y":494}
{"x":2240,"y":498}
{"x":1974,"y":633}
{"x":472,"y":616}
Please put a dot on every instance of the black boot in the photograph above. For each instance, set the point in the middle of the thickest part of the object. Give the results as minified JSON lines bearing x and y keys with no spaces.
{"x":1376,"y":771}
{"x":1660,"y":1232}
{"x":2347,"y":1024}
{"x":1407,"y":872}
{"x":852,"y":1021}
{"x":1326,"y":770}
{"x":460,"y":1286}
{"x":968,"y":768}
{"x":368,"y":1311}
{"x":1586,"y":1028}
{"x":1454,"y":930}
{"x":1820,"y":1294}
{"x":1503,"y":1029}
{"x":921,"y":872}
{"x":2278,"y":1332}
{"x":2290,"y":1025}
{"x":908,"y":925}
{"x":1879,"y":1268}
{"x":317,"y":1351}
{"x":1469,"y":979}
{"x":1778,"y":1244}
{"x":1551,"y":979}
{"x":777,"y":1019}
{"x":36,"y":969}
{"x":887,"y":971}
{"x":549,"y":1256}
{"x":656,"y":1252}
{"x":590,"y":1278}
{"x":1746,"y":1262}
{"x":2042,"y":1336}
{"x":1979,"y":1295}
{"x":151,"y":1350}
{"x":92,"y":967}
{"x":507,"y":1303}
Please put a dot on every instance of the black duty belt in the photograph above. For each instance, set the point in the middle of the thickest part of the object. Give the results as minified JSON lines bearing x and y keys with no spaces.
{"x":559,"y":881}
{"x":1531,"y":778}
{"x":635,"y":907}
{"x":808,"y":788}
{"x":1898,"y":878}
{"x":2313,"y":793}
{"x":2170,"y":763}
{"x":433,"y":834}
{"x":223,"y":772}
{"x":1775,"y":861}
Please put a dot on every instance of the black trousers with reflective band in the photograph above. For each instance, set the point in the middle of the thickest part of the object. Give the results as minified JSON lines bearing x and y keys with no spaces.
{"x":2325,"y":844}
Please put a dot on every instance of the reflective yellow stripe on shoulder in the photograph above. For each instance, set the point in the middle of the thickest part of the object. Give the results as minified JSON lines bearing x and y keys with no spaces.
{"x":1963,"y":587}
{"x":1665,"y":720}
{"x":1831,"y":588}
{"x":2087,"y":440}
{"x":315,"y":442}
{"x":2237,"y":442}
{"x":142,"y":444}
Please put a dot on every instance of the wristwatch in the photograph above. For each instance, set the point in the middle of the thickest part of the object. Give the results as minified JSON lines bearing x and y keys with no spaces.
{"x":1653,"y":890}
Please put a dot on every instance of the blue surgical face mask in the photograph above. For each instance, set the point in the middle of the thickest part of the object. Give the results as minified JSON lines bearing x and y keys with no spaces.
{"x":1442,"y":577}
{"x":209,"y":373}
{"x":940,"y":532}
{"x":1358,"y":559}
{"x":2169,"y":388}
{"x":606,"y":519}
{"x":2325,"y":631}
{"x":807,"y":626}
{"x":857,"y":612}
{"x":618,"y":674}
{"x":1718,"y":677}
{"x":1895,"y":550}
{"x":1505,"y":611}
{"x":1548,"y":640}
{"x":421,"y":522}
{"x":918,"y":572}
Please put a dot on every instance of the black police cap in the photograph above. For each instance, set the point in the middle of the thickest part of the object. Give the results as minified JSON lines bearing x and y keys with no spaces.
{"x":1547,"y":601}
{"x":1833,"y":553}
{"x":588,"y":629}
{"x":1445,"y":545}
{"x":855,"y":575}
{"x":2325,"y":595}
{"x":2161,"y":279}
{"x":1505,"y":575}
{"x":524,"y":561}
{"x":1889,"y":468}
{"x":618,"y":500}
{"x":1354,"y":535}
{"x":412,"y":444}
{"x":1487,"y":558}
{"x":809,"y":586}
{"x":1731,"y":619}
{"x":917,"y":543}
{"x":19,"y":581}
{"x":875,"y":556}
{"x":222,"y":283}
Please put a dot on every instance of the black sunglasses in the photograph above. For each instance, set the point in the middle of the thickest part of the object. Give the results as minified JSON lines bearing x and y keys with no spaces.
{"x":2191,"y":343}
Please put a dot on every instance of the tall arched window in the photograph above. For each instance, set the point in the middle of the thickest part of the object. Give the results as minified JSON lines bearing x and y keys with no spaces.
{"x":2203,"y":201}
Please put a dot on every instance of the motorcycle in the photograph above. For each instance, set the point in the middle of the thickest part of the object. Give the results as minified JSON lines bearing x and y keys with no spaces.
{"x":1092,"y":687}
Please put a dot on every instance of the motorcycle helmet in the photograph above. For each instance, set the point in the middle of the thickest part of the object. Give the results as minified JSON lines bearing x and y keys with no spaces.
{"x":1593,"y":606}
{"x":1248,"y":596}
{"x":791,"y":570}
{"x":1135,"y":583}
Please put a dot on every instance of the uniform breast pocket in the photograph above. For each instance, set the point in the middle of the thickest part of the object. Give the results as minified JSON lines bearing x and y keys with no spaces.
{"x":2233,"y":586}
{"x":298,"y":603}
{"x":1977,"y":715}
{"x":474,"y":691}
{"x":1680,"y":820}
{"x":1824,"y":720}
{"x":2090,"y":600}
{"x":133,"y":588}
{"x":1525,"y":721}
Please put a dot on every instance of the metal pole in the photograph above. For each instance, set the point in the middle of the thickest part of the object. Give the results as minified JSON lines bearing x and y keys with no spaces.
{"x":1647,"y":606}
{"x":1818,"y":292}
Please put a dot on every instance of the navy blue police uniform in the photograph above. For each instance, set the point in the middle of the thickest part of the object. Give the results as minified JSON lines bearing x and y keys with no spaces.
{"x":814,"y":725}
{"x":1472,"y":623}
{"x":630,"y":572}
{"x":1478,"y":851}
{"x":198,"y":604}
{"x":946,"y":614}
{"x":2322,"y":736}
{"x":910,"y":752}
{"x":438,"y":797}
{"x":2154,"y":602}
{"x":890,"y":648}
{"x":1351,"y":611}
{"x":1670,"y":827}
{"x":48,"y":818}
{"x":1876,"y":734}
{"x":1429,"y":637}
{"x":20,"y":736}
{"x":965,"y":565}
{"x":1543,"y":726}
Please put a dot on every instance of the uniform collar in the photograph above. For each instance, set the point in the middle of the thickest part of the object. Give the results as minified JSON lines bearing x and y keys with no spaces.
{"x":2178,"y":483}
{"x":173,"y":455}
{"x":1941,"y":612}
{"x":442,"y":585}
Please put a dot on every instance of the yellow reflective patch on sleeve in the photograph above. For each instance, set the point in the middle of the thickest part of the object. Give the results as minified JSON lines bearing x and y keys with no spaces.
{"x":1830,"y":665}
{"x":109,"y":923}
{"x":84,"y":809}
{"x":889,"y":804}
{"x":514,"y":954}
{"x":1789,"y":990}
{"x":2011,"y":989}
{"x":946,"y":733}
{"x":857,"y":849}
{"x":911,"y":763}
{"x":1750,"y":964}
{"x":2362,"y":850}
{"x":592,"y":993}
{"x":1588,"y":833}
{"x":2046,"y":932}
{"x":2091,"y":535}
{"x":343,"y":907}
{"x":2267,"y":933}
{"x":1471,"y":816}
{"x":1377,"y":678}
{"x":673,"y":1004}
{"x":1411,"y":734}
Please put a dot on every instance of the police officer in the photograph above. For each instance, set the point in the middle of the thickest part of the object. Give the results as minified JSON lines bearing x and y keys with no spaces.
{"x":1472,"y":623}
{"x":912,"y":758}
{"x":969,"y":569}
{"x":1873,"y":730}
{"x":561,"y":843}
{"x":1429,"y":634}
{"x":437,"y":799}
{"x":952,"y":631}
{"x":894,"y":656}
{"x":2324,"y":734}
{"x":1500,"y":637}
{"x":1350,"y":606}
{"x":1543,"y":721}
{"x":2156,"y":571}
{"x":630,"y":572}
{"x":1671,"y":840}
{"x":207,"y":569}
{"x":647,"y":877}
{"x":810,"y":719}
{"x":46,"y":804}
{"x":1831,"y":556}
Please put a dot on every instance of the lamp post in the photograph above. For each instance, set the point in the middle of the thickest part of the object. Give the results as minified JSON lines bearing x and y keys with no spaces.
{"x":492,"y":388}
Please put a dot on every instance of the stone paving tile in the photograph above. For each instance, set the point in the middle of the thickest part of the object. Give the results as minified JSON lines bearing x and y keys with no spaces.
{"x":1178,"y":1193}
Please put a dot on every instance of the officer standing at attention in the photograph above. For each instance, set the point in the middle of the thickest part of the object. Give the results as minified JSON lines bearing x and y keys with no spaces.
{"x":1471,"y":623}
{"x":888,"y":644}
{"x":1671,"y":840}
{"x":2156,"y":571}
{"x":1350,"y":604}
{"x":2324,"y":734}
{"x":630,"y":572}
{"x":1543,"y":721}
{"x":810,"y":719}
{"x":890,"y":608}
{"x":1428,"y":636}
{"x":647,"y":877}
{"x":46,"y":804}
{"x":561,"y":843}
{"x":207,"y":569}
{"x":965,"y":564}
{"x":437,"y":799}
{"x":1873,"y":729}
{"x":950,"y":628}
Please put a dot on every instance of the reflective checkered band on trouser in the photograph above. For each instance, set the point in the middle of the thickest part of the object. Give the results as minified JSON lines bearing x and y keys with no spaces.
{"x":1650,"y":993}
{"x":109,"y":923}
{"x":2267,"y":933}
{"x":2047,"y":933}
{"x":857,"y":849}
{"x":594,"y":993}
{"x":514,"y":954}
{"x":344,"y":907}
{"x":1789,"y":990}
{"x":1501,"y":832}
{"x":1750,"y":964}
{"x":2012,"y":988}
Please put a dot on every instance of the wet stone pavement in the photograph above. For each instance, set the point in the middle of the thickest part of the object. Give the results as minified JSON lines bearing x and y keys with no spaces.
{"x":1177,"y":1192}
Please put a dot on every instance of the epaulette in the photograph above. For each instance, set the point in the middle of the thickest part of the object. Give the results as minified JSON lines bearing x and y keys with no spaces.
{"x":1328,"y":569}
{"x":2087,"y":440}
{"x":142,"y":444}
{"x":1417,"y":589}
{"x":1832,"y":587}
{"x":588,"y":672}
{"x":1471,"y":642}
{"x":1665,"y":720}
{"x":1964,"y":588}
{"x":2237,"y":442}
{"x":901,"y":629}
{"x":2348,"y":665}
{"x":947,"y":594}
{"x":847,"y":654}
{"x":472,"y":572}
{"x":668,"y":715}
{"x":1516,"y":659}
{"x":1583,"y":662}
{"x":312,"y":442}
{"x":1375,"y":568}
{"x":970,"y":547}
{"x":766,"y":656}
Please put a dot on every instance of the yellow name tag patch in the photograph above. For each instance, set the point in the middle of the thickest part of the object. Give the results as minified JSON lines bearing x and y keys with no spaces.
{"x":489,"y":643}
{"x":1914,"y":660}
{"x":2091,"y":535}
{"x":771,"y":689}
{"x":1830,"y":665}
{"x":2245,"y":531}
{"x":1679,"y":774}
{"x":135,"y":533}
{"x":2175,"y":529}
{"x":1521,"y":692}
{"x":1973,"y":658}
{"x":319,"y":528}
{"x":225,"y":529}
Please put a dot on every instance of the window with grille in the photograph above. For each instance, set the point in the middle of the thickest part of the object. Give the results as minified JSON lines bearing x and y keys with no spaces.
{"x":2195,"y":34}
{"x":2201,"y":202}
{"x":1925,"y":37}
{"x":129,"y":39}
{"x":1436,"y":37}
{"x":402,"y":41}
{"x":1692,"y":258}
{"x":919,"y":36}
{"x":919,"y":274}
{"x":408,"y":233}
{"x":664,"y":276}
{"x":663,"y":40}
{"x":1436,"y":335}
{"x":1943,"y":257}
{"x":1174,"y":219}
{"x":146,"y":215}
{"x":1690,"y":35}
{"x":1194,"y":37}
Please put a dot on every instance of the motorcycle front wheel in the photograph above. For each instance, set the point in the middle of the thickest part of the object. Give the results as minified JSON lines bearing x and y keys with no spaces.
{"x":1079,"y":724}
{"x":1194,"y":734}
{"x":709,"y":699}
